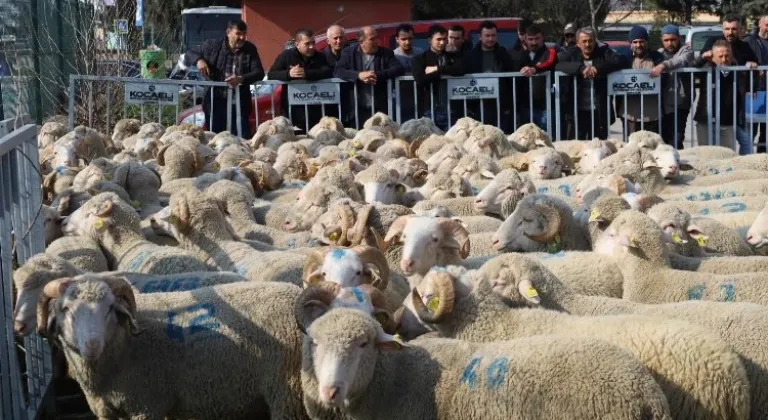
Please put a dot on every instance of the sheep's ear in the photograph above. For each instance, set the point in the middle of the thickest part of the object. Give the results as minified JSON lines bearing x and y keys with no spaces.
{"x":388,"y":342}
{"x":105,"y":209}
{"x":685,"y":165}
{"x":488,"y":174}
{"x":698,"y":234}
{"x":627,"y":241}
{"x":394,"y":173}
{"x":181,"y":216}
{"x":528,"y":292}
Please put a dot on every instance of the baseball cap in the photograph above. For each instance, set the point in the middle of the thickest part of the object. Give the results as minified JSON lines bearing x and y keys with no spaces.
{"x":570,"y":29}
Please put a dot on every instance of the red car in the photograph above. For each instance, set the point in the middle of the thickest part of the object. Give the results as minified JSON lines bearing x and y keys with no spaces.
{"x":266,"y":95}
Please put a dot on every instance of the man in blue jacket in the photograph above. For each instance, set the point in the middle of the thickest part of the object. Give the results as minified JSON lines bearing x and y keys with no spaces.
{"x":369,"y":66}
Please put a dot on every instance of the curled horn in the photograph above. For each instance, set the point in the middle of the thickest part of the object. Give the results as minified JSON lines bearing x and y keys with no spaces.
{"x":347,"y":217}
{"x":395,"y":230}
{"x":445,"y":293}
{"x":314,"y":260}
{"x":52,"y":290}
{"x":553,"y":224}
{"x":380,"y":243}
{"x":371,"y":255}
{"x":122,"y":291}
{"x":48,"y":186}
{"x":362,"y":221}
{"x":414,"y":147}
{"x":379,"y":302}
{"x":458,"y":233}
{"x":318,"y":296}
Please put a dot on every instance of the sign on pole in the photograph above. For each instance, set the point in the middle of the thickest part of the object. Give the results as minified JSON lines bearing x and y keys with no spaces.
{"x":122,"y":26}
{"x":633,"y":84}
{"x":473,"y":88}
{"x":314,"y":94}
{"x":145,"y":93}
{"x":139,"y":13}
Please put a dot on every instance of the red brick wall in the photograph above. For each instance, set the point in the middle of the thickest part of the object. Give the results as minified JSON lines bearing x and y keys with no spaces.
{"x":272,"y":23}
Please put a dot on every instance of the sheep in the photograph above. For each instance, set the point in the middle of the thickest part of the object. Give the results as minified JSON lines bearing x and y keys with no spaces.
{"x":413,"y":172}
{"x":181,"y":159}
{"x":84,"y":253}
{"x":350,"y":223}
{"x":439,"y":186}
{"x":178,"y":329}
{"x":716,"y":237}
{"x":112,"y":223}
{"x":311,"y":203}
{"x":49,"y":133}
{"x":341,"y":370}
{"x":757,"y":236}
{"x":755,"y":162}
{"x":417,"y":129}
{"x":382,"y":120}
{"x":431,"y":145}
{"x":645,"y":139}
{"x":326,"y":124}
{"x":378,"y":183}
{"x":635,"y":163}
{"x":502,"y":194}
{"x":600,"y":210}
{"x":461,"y":206}
{"x":187,"y":129}
{"x":720,"y":191}
{"x":70,"y":200}
{"x":445,"y":159}
{"x":142,"y":185}
{"x":540,"y":223}
{"x":737,"y":323}
{"x":278,"y":125}
{"x":547,"y":163}
{"x":528,"y":137}
{"x":462,"y":128}
{"x":57,"y":181}
{"x":30,"y":278}
{"x":707,"y":153}
{"x":677,"y":228}
{"x":291,"y":165}
{"x":668,"y":159}
{"x":585,"y":155}
{"x":699,"y":373}
{"x":635,"y":242}
{"x":201,"y":228}
{"x":86,"y":143}
{"x":232,"y":155}
{"x":478,"y":170}
{"x":51,"y":224}
{"x":100,"y":169}
{"x":706,"y":180}
{"x":265,"y":155}
{"x":488,"y":140}
{"x":724,"y":205}
{"x":123,"y":129}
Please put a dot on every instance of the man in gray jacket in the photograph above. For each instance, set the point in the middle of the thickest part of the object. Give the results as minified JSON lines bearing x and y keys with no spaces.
{"x":676,"y":55}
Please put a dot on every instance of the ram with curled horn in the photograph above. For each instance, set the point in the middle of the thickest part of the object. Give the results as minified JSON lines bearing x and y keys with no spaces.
{"x":347,"y":267}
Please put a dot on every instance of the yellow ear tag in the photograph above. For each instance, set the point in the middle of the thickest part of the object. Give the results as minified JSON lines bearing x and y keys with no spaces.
{"x":136,"y":203}
{"x":98,"y":224}
{"x":173,"y":219}
{"x":531,"y":292}
{"x":633,"y":241}
{"x":381,"y":318}
{"x":702,"y":242}
{"x":676,"y":238}
{"x":109,"y":177}
{"x":351,"y":152}
{"x":432,"y":303}
{"x":216,"y":166}
{"x":333,"y":236}
{"x":356,"y":143}
{"x":594,"y":215}
{"x":398,"y":337}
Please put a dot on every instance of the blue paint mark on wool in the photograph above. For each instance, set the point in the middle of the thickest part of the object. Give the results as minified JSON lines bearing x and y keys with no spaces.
{"x":469,"y":376}
{"x":497,"y":372}
{"x":337,"y":254}
{"x":359,"y":294}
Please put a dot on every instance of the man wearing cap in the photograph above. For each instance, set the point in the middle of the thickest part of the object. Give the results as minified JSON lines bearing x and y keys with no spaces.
{"x":641,"y":111}
{"x":676,"y":55}
{"x":569,"y":36}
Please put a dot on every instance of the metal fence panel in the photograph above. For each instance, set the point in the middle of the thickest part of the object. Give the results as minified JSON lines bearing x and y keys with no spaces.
{"x":21,"y":237}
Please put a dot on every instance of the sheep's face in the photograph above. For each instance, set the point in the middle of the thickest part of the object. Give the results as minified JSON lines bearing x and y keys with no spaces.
{"x":668,"y":160}
{"x":380,"y":192}
{"x":510,"y":277}
{"x":87,"y":316}
{"x":590,"y":157}
{"x":445,"y":158}
{"x":757,"y":235}
{"x":515,"y":234}
{"x":92,"y":174}
{"x":427,"y":242}
{"x":161,"y":223}
{"x":504,"y":187}
{"x":631,"y":233}
{"x":673,"y":222}
{"x":146,"y":148}
{"x":51,"y":224}
{"x":64,"y":156}
{"x":95,"y":216}
{"x":613,"y":182}
{"x":343,"y":266}
{"x":344,"y":345}
{"x":311,"y":204}
{"x":546,"y":166}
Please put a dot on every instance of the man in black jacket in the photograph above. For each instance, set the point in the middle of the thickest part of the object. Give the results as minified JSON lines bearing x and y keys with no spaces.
{"x":369,"y":66}
{"x":457,"y":41}
{"x":337,"y":41}
{"x":235,"y":61}
{"x":427,"y":69}
{"x":300,"y":63}
{"x":535,"y":59}
{"x":490,"y":57}
{"x":587,"y":63}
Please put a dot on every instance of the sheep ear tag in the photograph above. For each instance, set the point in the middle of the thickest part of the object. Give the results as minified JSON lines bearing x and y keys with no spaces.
{"x":433,"y":303}
{"x":554,"y":246}
{"x":676,"y":238}
{"x":594,"y":216}
{"x":98,"y":224}
{"x":333,"y":236}
{"x":702,"y":242}
{"x":216,"y":166}
{"x":173,"y":219}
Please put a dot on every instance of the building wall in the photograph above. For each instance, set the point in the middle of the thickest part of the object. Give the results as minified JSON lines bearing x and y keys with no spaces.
{"x":272,"y":23}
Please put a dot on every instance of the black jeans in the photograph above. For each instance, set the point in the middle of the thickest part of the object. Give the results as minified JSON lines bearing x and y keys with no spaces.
{"x":584,"y":131}
{"x":218,"y":121}
{"x":668,"y":127}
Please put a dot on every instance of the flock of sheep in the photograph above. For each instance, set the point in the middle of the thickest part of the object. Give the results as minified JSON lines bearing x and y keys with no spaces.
{"x":400,"y":272}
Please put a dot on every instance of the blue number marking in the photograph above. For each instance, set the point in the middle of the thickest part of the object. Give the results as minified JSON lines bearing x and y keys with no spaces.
{"x":475,"y":191}
{"x":728,"y":293}
{"x":184,"y":283}
{"x":291,"y":243}
{"x":470,"y":373}
{"x":735,"y":207}
{"x":713,"y":171}
{"x":542,"y":190}
{"x":695,"y":292}
{"x":137,"y":261}
{"x":497,"y":372}
{"x":565,"y":189}
{"x":731,"y":194}
{"x":704,"y":211}
{"x":203,"y":322}
{"x":705,"y":196}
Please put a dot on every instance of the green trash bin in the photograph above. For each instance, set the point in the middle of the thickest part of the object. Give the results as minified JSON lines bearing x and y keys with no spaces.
{"x":152,"y":63}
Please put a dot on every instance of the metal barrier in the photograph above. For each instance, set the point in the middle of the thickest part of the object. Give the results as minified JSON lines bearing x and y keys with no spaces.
{"x":23,"y":386}
{"x":139,"y":94}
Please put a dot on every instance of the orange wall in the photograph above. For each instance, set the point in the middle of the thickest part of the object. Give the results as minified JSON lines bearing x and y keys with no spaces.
{"x":272,"y":23}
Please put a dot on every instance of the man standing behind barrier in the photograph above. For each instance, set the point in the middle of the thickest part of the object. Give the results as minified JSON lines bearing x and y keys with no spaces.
{"x":721,"y":54}
{"x":370,"y":66}
{"x":569,"y":36}
{"x":588,"y":63}
{"x":642,"y":111}
{"x":535,"y":59}
{"x":405,"y":51}
{"x":427,"y":69}
{"x":676,"y":56}
{"x":300,"y":63}
{"x":759,"y":44}
{"x":742,"y":55}
{"x":336,"y":42}
{"x":235,"y":61}
{"x":457,"y":43}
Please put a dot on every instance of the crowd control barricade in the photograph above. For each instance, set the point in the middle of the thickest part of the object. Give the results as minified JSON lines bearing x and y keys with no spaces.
{"x":100,"y":101}
{"x":475,"y":95}
{"x":25,"y":365}
{"x":751,"y":94}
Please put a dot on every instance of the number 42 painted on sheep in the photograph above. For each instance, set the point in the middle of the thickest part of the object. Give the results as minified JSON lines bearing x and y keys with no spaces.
{"x":204,"y":321}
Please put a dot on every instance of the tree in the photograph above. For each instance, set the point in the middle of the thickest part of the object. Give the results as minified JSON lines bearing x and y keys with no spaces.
{"x":683,"y":10}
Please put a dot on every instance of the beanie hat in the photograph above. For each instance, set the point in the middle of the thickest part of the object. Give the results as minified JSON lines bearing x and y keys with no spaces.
{"x":638,"y":32}
{"x":670,"y":30}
